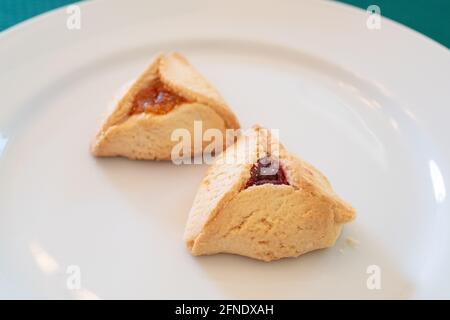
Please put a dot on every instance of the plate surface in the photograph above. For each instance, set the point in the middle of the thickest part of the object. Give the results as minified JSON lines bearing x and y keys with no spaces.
{"x":369,"y":108}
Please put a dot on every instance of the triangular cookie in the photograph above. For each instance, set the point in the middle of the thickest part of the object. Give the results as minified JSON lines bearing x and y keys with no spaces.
{"x":169,"y":95}
{"x":246,"y":206}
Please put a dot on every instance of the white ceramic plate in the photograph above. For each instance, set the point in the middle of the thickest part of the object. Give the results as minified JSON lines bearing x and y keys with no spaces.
{"x":369,"y":108}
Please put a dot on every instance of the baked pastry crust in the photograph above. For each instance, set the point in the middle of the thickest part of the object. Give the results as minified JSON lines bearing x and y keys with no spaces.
{"x":147,"y":135}
{"x":265,"y":222}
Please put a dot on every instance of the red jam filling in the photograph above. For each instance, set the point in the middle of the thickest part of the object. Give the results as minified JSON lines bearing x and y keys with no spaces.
{"x":155,"y":98}
{"x":266,"y":170}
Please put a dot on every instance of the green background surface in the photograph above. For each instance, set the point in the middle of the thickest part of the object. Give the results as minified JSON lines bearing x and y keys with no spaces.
{"x":430,"y":17}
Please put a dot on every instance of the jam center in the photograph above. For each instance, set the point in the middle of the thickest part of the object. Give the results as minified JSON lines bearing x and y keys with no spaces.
{"x":155,"y":98}
{"x":266,"y":170}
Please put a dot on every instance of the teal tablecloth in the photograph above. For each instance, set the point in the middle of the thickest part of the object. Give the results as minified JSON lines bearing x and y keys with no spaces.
{"x":430,"y":17}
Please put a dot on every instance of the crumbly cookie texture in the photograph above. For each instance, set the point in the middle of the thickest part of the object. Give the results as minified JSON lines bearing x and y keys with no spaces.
{"x":147,"y":135}
{"x":265,"y":222}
